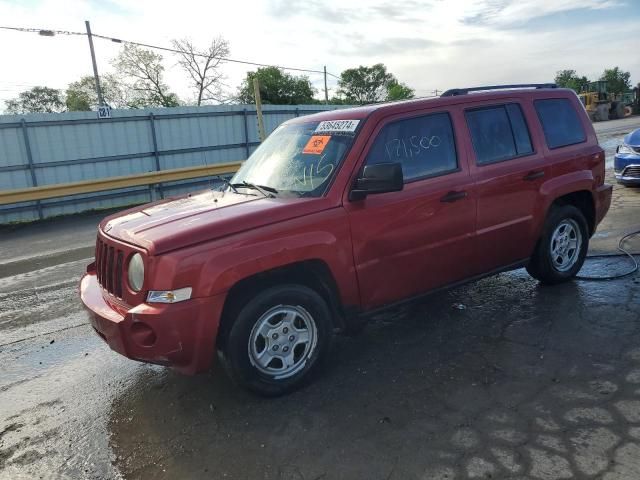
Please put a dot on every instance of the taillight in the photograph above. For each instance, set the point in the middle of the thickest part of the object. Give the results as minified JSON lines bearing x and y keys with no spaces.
{"x":599,"y":169}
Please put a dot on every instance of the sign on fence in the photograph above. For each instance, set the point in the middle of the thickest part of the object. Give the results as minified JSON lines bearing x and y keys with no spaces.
{"x":104,"y":112}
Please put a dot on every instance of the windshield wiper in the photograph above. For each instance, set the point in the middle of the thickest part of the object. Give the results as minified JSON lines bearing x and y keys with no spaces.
{"x":264,"y":190}
{"x":226,"y":182}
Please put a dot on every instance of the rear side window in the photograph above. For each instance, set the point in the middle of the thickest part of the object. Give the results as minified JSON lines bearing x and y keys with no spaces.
{"x":560,"y":122}
{"x":425,"y":146}
{"x":498,"y":133}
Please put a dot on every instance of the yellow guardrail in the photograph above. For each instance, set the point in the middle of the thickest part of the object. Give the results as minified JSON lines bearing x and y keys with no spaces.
{"x":111,"y":183}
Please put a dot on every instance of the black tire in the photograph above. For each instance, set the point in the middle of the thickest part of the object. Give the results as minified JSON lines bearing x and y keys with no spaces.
{"x":238,"y":356}
{"x":542,"y":265}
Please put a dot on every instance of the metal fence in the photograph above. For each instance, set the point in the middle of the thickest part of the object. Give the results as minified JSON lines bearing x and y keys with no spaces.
{"x":45,"y":149}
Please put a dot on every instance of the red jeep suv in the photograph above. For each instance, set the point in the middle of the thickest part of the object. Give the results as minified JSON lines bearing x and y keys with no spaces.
{"x":343,"y":213}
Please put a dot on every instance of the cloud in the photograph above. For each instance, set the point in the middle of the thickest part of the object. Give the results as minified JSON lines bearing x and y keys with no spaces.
{"x":510,"y":12}
{"x":427,"y":44}
{"x":405,"y":11}
{"x":317,"y":12}
{"x":371,"y":46}
{"x":402,"y":11}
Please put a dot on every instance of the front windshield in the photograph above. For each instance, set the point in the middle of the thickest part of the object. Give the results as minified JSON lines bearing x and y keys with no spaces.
{"x":300,"y":158}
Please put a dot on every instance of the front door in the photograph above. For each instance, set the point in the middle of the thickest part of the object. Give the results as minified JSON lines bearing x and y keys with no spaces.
{"x":408,"y":242}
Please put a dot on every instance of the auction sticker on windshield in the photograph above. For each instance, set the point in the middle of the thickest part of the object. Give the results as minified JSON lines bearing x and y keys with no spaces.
{"x":337,"y":126}
{"x":316,"y":144}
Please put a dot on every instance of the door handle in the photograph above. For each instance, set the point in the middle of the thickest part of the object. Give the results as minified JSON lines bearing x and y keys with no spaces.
{"x":534,"y":175}
{"x":453,"y":196}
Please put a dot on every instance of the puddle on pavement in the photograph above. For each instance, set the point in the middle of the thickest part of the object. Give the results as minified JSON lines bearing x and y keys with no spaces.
{"x":424,"y":386}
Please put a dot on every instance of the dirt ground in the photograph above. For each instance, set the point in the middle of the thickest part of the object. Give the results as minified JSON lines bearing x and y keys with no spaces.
{"x":501,"y":378}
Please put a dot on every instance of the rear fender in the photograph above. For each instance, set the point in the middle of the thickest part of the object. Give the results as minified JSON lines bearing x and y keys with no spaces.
{"x":559,"y":186}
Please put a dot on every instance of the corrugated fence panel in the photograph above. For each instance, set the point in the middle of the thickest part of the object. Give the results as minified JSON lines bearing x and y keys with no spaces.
{"x":12,"y":149}
{"x":17,"y":179}
{"x":76,"y":146}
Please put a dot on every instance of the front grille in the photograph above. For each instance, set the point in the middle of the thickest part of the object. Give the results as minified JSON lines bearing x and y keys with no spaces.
{"x":109,"y":264}
{"x":632,"y":171}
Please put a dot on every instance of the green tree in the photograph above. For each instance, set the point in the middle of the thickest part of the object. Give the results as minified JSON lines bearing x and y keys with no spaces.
{"x":36,"y":100}
{"x":617,"y":80}
{"x":82,"y":96}
{"x":398,"y":91}
{"x":337,"y":101}
{"x":371,"y":84}
{"x":569,"y":79}
{"x":277,"y":87}
{"x":142,"y":72}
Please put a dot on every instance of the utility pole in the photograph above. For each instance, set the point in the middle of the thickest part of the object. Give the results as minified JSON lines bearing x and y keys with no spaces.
{"x":326,"y":92}
{"x":95,"y":65}
{"x":256,"y":93}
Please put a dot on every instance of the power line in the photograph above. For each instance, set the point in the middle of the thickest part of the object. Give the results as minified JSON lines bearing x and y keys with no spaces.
{"x":43,"y":31}
{"x":12,"y":84}
{"x":224,"y":59}
{"x":51,"y":33}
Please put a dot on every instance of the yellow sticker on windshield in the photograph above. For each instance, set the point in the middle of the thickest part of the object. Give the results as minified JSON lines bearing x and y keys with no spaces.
{"x":316,"y":144}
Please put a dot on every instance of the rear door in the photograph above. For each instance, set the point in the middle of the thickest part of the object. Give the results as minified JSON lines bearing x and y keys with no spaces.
{"x":508,"y":169}
{"x":408,"y":242}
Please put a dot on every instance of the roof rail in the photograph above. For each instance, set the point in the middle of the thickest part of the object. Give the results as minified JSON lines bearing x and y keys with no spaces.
{"x":463,"y":91}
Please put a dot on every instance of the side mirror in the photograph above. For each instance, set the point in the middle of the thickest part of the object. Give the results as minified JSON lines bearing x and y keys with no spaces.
{"x":378,"y":178}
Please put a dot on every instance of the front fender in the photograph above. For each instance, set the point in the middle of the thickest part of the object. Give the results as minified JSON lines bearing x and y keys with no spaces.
{"x":214,"y":267}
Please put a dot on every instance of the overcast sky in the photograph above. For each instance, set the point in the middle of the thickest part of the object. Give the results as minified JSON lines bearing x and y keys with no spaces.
{"x":427,"y":44}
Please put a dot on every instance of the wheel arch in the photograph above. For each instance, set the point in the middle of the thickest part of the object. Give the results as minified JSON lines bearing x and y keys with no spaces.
{"x":312,"y":273}
{"x":584,"y":201}
{"x":575,"y":188}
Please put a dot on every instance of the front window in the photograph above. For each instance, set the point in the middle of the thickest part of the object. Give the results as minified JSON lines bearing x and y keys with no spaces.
{"x":299,"y":159}
{"x":425,"y":146}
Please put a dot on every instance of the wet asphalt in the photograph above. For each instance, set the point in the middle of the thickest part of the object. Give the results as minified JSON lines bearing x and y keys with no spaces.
{"x":501,"y":378}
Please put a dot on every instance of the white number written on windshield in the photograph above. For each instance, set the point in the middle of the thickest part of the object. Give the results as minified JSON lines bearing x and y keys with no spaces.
{"x":315,"y":173}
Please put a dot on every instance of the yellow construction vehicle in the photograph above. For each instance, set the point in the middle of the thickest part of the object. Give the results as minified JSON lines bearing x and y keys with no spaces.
{"x":602,"y":105}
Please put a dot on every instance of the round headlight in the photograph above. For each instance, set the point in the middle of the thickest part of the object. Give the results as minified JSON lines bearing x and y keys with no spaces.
{"x":136,"y":272}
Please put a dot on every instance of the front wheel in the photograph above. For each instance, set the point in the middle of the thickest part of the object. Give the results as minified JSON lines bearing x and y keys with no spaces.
{"x":278,"y":339}
{"x":562,"y":247}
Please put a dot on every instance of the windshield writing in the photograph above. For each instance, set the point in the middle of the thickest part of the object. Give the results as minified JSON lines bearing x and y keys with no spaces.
{"x":296,"y":159}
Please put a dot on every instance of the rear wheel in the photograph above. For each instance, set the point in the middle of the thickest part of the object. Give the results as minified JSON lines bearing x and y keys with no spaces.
{"x":278,"y":339}
{"x":563,"y":246}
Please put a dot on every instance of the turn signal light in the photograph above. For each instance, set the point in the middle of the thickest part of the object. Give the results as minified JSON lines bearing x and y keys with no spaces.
{"x":169,"y":296}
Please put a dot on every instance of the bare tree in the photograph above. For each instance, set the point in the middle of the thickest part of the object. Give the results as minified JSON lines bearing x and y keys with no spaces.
{"x":204,"y":67}
{"x":143,"y":71}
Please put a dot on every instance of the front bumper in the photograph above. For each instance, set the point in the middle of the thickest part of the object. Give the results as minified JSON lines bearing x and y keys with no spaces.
{"x":630,"y":181}
{"x":180,"y":335}
{"x":626,"y":168}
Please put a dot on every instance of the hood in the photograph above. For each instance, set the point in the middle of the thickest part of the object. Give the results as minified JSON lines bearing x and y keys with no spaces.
{"x":633,"y":139}
{"x":195,"y":218}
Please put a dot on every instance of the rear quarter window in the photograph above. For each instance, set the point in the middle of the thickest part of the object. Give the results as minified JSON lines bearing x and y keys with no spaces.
{"x":560,"y":122}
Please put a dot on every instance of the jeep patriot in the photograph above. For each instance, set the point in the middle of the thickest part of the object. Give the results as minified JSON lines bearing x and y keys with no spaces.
{"x":343,"y":213}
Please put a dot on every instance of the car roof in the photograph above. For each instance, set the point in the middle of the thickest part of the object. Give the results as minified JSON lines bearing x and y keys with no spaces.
{"x":390,"y":108}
